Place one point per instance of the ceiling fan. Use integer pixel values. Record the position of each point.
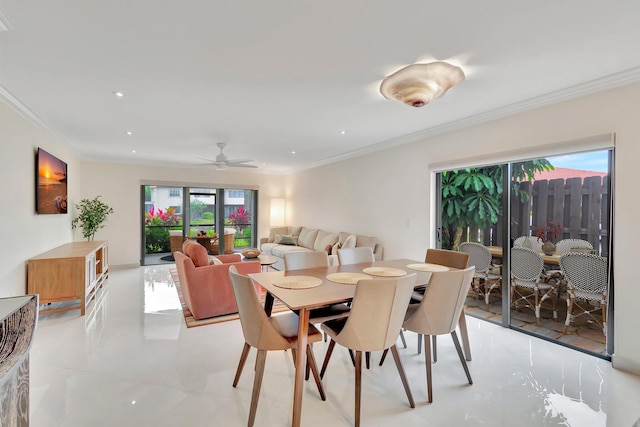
(222, 162)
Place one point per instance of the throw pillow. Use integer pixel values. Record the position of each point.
(287, 240)
(328, 249)
(214, 260)
(350, 242)
(334, 249)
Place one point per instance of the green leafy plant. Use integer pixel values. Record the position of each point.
(92, 217)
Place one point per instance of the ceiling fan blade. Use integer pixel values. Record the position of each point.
(240, 165)
(232, 162)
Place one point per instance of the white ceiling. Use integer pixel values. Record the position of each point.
(272, 77)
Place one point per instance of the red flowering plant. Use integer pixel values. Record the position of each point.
(156, 217)
(240, 219)
(548, 233)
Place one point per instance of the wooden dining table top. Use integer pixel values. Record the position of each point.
(328, 292)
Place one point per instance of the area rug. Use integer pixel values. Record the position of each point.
(192, 322)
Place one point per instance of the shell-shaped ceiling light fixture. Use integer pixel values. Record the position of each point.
(418, 84)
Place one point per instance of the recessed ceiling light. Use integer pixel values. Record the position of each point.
(293, 152)
(133, 151)
(129, 132)
(118, 93)
(343, 132)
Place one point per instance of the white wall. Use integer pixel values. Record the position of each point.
(119, 186)
(388, 194)
(26, 234)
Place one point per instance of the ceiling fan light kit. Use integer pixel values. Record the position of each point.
(418, 84)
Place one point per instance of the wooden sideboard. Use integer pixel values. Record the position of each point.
(71, 272)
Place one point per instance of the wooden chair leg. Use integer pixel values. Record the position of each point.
(243, 359)
(459, 350)
(403, 376)
(327, 356)
(434, 345)
(358, 362)
(311, 362)
(427, 361)
(384, 355)
(257, 384)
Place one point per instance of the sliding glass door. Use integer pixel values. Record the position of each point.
(516, 232)
(172, 214)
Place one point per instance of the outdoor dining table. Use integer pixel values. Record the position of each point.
(496, 252)
(328, 292)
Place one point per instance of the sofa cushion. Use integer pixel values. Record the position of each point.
(366, 241)
(280, 250)
(294, 231)
(213, 260)
(276, 230)
(196, 252)
(350, 242)
(267, 247)
(307, 237)
(286, 239)
(324, 239)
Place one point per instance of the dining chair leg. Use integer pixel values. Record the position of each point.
(257, 384)
(434, 349)
(404, 341)
(367, 357)
(243, 359)
(464, 335)
(311, 363)
(353, 359)
(384, 355)
(427, 361)
(358, 362)
(403, 376)
(419, 343)
(459, 350)
(327, 356)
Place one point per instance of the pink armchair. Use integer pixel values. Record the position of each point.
(206, 289)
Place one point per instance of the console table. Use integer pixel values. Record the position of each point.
(71, 272)
(18, 318)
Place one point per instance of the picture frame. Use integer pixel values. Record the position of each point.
(51, 184)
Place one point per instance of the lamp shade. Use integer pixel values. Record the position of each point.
(277, 212)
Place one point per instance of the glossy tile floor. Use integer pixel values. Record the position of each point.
(133, 362)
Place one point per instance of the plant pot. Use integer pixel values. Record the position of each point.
(548, 248)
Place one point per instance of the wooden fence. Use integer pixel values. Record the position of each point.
(581, 207)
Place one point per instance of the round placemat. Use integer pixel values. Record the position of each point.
(347, 278)
(428, 267)
(385, 271)
(297, 282)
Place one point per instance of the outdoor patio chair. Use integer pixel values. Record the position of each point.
(566, 245)
(480, 257)
(586, 276)
(521, 242)
(526, 282)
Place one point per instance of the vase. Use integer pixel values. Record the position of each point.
(548, 248)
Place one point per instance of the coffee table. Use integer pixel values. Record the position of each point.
(265, 261)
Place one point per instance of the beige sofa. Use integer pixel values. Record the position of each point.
(295, 239)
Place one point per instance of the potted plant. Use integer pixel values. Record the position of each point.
(546, 235)
(93, 214)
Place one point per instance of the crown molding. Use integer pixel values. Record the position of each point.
(594, 86)
(26, 113)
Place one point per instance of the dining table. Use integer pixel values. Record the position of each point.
(282, 285)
